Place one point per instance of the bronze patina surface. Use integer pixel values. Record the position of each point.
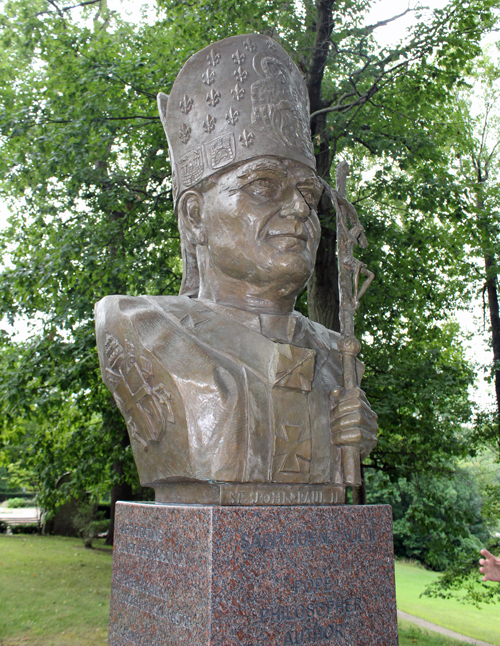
(230, 396)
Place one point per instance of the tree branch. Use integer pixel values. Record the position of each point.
(319, 54)
(345, 107)
(81, 4)
(382, 23)
(65, 9)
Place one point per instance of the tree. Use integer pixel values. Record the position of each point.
(476, 156)
(85, 168)
(93, 218)
(436, 520)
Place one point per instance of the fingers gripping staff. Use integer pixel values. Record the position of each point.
(354, 424)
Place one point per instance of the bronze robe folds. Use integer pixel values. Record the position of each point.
(216, 394)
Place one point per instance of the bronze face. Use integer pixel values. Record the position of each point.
(257, 233)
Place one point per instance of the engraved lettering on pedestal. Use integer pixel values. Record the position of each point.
(282, 494)
(267, 540)
(330, 611)
(314, 634)
(304, 539)
(156, 554)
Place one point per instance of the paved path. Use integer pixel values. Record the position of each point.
(439, 629)
(19, 516)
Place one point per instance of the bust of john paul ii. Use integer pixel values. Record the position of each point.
(226, 385)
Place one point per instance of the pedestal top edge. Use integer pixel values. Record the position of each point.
(227, 508)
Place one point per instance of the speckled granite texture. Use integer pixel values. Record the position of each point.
(253, 576)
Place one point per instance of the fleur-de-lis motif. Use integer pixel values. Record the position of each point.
(272, 45)
(185, 133)
(213, 58)
(238, 92)
(240, 74)
(246, 138)
(185, 104)
(208, 77)
(238, 57)
(232, 116)
(249, 46)
(209, 123)
(213, 98)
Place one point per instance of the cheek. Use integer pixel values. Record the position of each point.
(232, 222)
(315, 230)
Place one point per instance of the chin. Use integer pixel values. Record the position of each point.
(292, 271)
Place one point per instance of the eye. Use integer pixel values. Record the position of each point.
(263, 187)
(311, 196)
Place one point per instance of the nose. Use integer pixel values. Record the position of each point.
(294, 204)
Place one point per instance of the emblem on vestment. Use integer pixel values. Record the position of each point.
(147, 409)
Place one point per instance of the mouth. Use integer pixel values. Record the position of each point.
(287, 241)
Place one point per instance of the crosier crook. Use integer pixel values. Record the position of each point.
(350, 294)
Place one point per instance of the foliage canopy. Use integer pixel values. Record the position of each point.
(85, 169)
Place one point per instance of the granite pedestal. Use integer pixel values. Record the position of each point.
(252, 576)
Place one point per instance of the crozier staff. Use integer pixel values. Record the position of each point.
(347, 439)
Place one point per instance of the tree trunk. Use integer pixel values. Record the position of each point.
(359, 493)
(492, 288)
(323, 288)
(121, 490)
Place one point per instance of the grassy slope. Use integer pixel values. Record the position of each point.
(53, 591)
(411, 581)
(411, 635)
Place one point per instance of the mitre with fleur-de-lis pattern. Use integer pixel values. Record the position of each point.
(240, 98)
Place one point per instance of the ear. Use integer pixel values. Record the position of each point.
(162, 109)
(189, 212)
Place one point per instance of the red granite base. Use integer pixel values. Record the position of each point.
(252, 576)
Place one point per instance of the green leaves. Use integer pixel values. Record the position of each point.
(84, 166)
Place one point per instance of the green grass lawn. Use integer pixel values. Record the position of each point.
(53, 592)
(411, 635)
(411, 581)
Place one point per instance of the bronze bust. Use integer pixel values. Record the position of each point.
(230, 396)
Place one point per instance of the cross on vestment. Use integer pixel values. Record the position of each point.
(292, 447)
